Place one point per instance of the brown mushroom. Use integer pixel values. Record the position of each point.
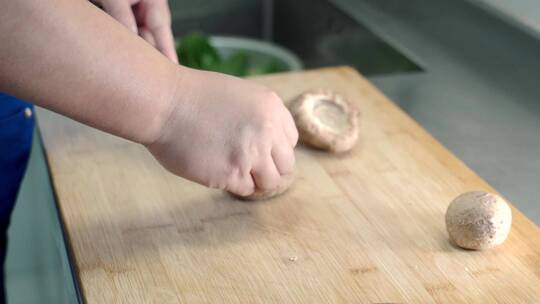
(284, 185)
(478, 220)
(325, 120)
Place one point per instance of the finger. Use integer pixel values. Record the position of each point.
(121, 11)
(241, 184)
(158, 22)
(283, 156)
(146, 35)
(289, 127)
(265, 174)
(165, 42)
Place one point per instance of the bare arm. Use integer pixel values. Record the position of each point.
(213, 129)
(70, 57)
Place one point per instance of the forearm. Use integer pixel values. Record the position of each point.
(69, 57)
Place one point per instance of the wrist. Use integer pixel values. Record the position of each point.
(176, 91)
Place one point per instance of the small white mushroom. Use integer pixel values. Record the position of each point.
(478, 220)
(284, 185)
(325, 120)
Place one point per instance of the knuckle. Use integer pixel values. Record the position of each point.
(264, 110)
(267, 128)
(240, 160)
(272, 96)
(264, 131)
(270, 99)
(232, 174)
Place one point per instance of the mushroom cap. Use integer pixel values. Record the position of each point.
(285, 183)
(325, 120)
(478, 220)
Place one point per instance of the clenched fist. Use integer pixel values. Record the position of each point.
(226, 133)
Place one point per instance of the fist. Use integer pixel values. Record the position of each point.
(227, 133)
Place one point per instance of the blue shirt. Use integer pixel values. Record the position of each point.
(16, 128)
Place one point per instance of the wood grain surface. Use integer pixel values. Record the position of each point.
(362, 227)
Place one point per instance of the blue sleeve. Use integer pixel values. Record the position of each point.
(16, 128)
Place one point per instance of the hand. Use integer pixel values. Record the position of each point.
(151, 19)
(227, 133)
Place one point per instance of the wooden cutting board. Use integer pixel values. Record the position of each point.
(363, 227)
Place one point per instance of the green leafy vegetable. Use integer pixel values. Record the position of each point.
(236, 64)
(195, 51)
